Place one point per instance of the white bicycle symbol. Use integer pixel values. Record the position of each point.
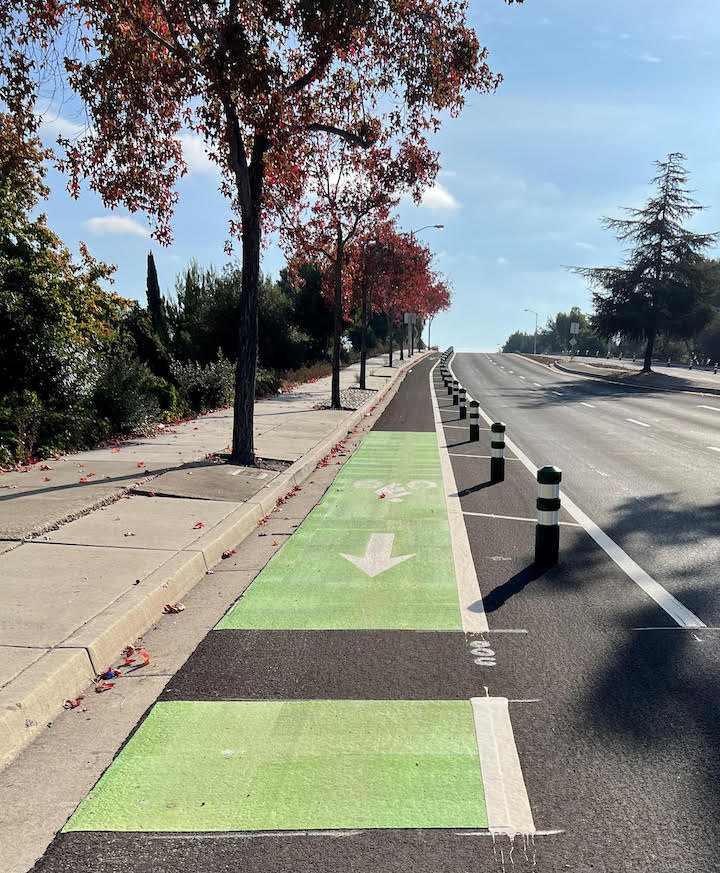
(395, 491)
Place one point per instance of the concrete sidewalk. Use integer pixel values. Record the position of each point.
(92, 548)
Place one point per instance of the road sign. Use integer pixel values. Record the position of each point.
(574, 327)
(573, 341)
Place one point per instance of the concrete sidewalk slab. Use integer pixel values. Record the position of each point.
(140, 522)
(212, 481)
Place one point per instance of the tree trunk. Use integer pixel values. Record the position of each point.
(389, 316)
(243, 451)
(249, 181)
(363, 333)
(647, 365)
(337, 337)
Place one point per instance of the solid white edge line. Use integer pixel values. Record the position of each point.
(664, 599)
(506, 800)
(587, 404)
(714, 408)
(472, 611)
(635, 421)
(714, 448)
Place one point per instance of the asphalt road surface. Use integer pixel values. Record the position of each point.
(644, 465)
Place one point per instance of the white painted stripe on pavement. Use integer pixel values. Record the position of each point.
(462, 455)
(714, 408)
(517, 518)
(587, 404)
(635, 421)
(664, 599)
(559, 393)
(506, 800)
(537, 384)
(472, 612)
(714, 448)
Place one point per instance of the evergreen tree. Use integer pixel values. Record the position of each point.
(155, 301)
(659, 291)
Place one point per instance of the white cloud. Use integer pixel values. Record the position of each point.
(119, 224)
(195, 155)
(502, 262)
(648, 58)
(438, 197)
(52, 126)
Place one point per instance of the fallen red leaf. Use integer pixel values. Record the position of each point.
(198, 525)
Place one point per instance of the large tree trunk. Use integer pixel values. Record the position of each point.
(647, 365)
(335, 391)
(249, 181)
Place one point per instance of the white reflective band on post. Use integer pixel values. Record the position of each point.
(549, 491)
(497, 453)
(545, 517)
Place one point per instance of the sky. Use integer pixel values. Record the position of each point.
(592, 95)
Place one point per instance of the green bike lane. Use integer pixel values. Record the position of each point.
(334, 717)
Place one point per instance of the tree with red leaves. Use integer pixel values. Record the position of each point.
(349, 192)
(256, 80)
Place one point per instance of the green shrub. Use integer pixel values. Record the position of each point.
(20, 415)
(126, 395)
(267, 382)
(205, 387)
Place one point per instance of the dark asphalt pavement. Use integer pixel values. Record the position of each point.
(617, 728)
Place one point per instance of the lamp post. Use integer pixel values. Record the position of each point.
(536, 318)
(412, 237)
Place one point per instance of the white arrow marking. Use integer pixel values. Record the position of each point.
(377, 555)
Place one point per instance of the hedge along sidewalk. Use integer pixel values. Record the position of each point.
(74, 598)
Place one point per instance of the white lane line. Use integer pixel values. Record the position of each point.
(714, 408)
(517, 517)
(664, 599)
(506, 800)
(587, 404)
(714, 448)
(522, 377)
(537, 384)
(461, 455)
(559, 393)
(635, 421)
(456, 426)
(472, 612)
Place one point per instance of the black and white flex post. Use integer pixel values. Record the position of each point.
(547, 530)
(463, 403)
(474, 421)
(455, 392)
(497, 452)
(449, 384)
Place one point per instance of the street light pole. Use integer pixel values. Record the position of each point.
(412, 237)
(536, 318)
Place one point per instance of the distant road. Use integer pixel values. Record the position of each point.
(643, 464)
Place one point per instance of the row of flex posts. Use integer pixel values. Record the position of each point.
(547, 529)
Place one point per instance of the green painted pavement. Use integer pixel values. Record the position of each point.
(309, 585)
(329, 764)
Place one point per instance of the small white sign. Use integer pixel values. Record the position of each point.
(574, 327)
(573, 341)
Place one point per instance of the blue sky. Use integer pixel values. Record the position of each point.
(592, 95)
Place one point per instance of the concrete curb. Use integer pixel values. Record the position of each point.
(29, 701)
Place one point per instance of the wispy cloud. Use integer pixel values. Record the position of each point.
(117, 224)
(502, 262)
(438, 197)
(52, 126)
(647, 58)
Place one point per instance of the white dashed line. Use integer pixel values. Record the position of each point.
(537, 384)
(590, 405)
(635, 421)
(714, 408)
(559, 393)
(714, 448)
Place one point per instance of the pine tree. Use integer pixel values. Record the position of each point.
(659, 290)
